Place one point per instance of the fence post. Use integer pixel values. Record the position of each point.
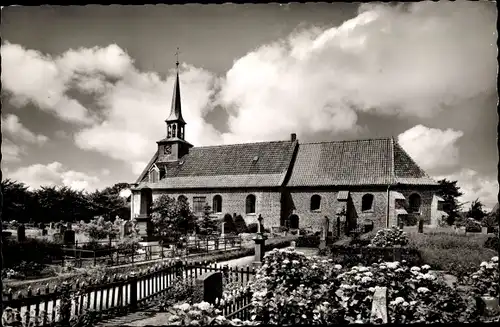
(133, 291)
(65, 303)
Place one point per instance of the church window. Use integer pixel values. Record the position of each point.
(169, 131)
(367, 202)
(315, 202)
(199, 203)
(440, 205)
(182, 132)
(414, 203)
(154, 175)
(174, 131)
(217, 204)
(250, 204)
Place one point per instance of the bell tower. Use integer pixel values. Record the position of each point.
(174, 146)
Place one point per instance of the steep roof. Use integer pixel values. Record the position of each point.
(359, 162)
(263, 164)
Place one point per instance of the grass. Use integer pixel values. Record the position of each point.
(442, 249)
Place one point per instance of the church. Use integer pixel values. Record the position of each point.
(289, 183)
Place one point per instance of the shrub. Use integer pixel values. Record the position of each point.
(390, 237)
(472, 226)
(240, 224)
(348, 255)
(492, 243)
(309, 241)
(32, 250)
(485, 281)
(181, 290)
(252, 228)
(203, 314)
(230, 226)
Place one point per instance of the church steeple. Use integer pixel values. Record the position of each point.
(176, 109)
(173, 147)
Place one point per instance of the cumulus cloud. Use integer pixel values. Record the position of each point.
(54, 174)
(410, 60)
(435, 150)
(11, 152)
(475, 186)
(13, 127)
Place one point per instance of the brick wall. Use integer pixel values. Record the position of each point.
(233, 201)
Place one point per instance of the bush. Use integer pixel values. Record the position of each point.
(472, 226)
(485, 281)
(492, 243)
(181, 290)
(240, 224)
(389, 237)
(309, 241)
(348, 255)
(230, 226)
(32, 250)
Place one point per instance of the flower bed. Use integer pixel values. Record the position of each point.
(348, 255)
(389, 237)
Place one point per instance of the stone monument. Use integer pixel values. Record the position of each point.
(260, 241)
(324, 234)
(21, 233)
(208, 287)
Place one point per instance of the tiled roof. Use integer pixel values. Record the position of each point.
(263, 164)
(360, 162)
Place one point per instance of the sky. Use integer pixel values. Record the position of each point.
(86, 89)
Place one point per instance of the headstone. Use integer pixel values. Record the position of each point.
(260, 241)
(208, 287)
(292, 244)
(324, 234)
(44, 232)
(484, 230)
(69, 226)
(62, 229)
(51, 225)
(379, 306)
(21, 233)
(420, 225)
(42, 226)
(222, 234)
(69, 237)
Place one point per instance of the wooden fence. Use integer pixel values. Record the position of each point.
(116, 295)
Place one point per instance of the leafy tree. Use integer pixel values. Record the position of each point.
(99, 229)
(108, 202)
(18, 201)
(207, 225)
(476, 210)
(172, 217)
(62, 203)
(449, 191)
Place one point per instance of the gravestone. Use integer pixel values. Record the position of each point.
(484, 230)
(21, 233)
(324, 234)
(44, 232)
(69, 226)
(125, 229)
(260, 241)
(42, 226)
(420, 225)
(379, 306)
(51, 225)
(222, 234)
(69, 237)
(208, 287)
(62, 229)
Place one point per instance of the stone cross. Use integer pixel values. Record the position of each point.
(326, 227)
(259, 224)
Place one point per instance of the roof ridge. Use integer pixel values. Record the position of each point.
(223, 145)
(347, 141)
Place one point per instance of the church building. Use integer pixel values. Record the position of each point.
(288, 182)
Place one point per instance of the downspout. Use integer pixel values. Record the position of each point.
(388, 207)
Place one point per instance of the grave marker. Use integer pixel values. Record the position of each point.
(69, 237)
(21, 233)
(44, 232)
(379, 306)
(324, 234)
(208, 287)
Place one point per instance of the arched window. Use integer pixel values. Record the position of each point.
(217, 204)
(174, 130)
(250, 204)
(367, 202)
(146, 201)
(414, 202)
(169, 131)
(154, 175)
(315, 202)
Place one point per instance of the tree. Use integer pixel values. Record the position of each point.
(207, 225)
(99, 229)
(108, 202)
(476, 210)
(18, 201)
(449, 191)
(172, 217)
(61, 203)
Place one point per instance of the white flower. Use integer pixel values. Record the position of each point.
(295, 262)
(357, 277)
(392, 265)
(429, 276)
(362, 269)
(494, 259)
(203, 305)
(415, 269)
(483, 264)
(413, 302)
(426, 267)
(183, 307)
(368, 273)
(405, 304)
(337, 267)
(399, 270)
(423, 290)
(372, 289)
(304, 316)
(366, 279)
(286, 261)
(397, 301)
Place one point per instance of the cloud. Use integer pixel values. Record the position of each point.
(409, 60)
(475, 186)
(435, 150)
(54, 174)
(136, 107)
(11, 152)
(13, 127)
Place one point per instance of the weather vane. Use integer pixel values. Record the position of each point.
(177, 57)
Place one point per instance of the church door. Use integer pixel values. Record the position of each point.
(294, 221)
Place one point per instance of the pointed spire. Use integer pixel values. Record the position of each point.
(176, 112)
